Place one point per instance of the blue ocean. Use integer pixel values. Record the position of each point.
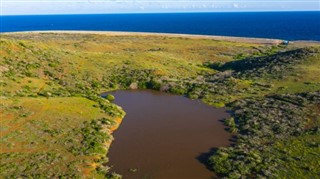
(280, 25)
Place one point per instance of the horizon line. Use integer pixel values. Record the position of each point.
(170, 12)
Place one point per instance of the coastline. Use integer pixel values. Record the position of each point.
(192, 36)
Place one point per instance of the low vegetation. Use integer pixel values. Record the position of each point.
(55, 124)
(263, 127)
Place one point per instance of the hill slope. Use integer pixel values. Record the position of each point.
(55, 124)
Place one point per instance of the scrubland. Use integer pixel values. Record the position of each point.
(55, 124)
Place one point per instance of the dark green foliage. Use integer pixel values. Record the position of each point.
(262, 122)
(32, 168)
(275, 65)
(177, 90)
(94, 138)
(154, 84)
(230, 122)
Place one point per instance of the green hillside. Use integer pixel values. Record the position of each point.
(55, 124)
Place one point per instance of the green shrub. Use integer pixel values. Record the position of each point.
(177, 90)
(110, 97)
(154, 84)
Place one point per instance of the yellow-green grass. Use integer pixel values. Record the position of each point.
(87, 52)
(302, 155)
(35, 130)
(93, 56)
(304, 77)
(41, 123)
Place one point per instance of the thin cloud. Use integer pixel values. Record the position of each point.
(13, 7)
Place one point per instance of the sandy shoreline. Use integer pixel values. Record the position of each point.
(116, 33)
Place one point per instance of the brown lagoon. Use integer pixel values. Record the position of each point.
(165, 136)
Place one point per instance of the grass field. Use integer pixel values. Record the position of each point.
(37, 133)
(55, 124)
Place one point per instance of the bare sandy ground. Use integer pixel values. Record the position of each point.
(113, 33)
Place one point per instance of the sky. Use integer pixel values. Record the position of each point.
(31, 7)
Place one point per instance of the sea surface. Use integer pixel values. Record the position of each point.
(279, 25)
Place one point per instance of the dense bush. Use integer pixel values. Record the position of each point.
(271, 65)
(261, 123)
(110, 97)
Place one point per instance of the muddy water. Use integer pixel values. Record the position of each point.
(165, 136)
